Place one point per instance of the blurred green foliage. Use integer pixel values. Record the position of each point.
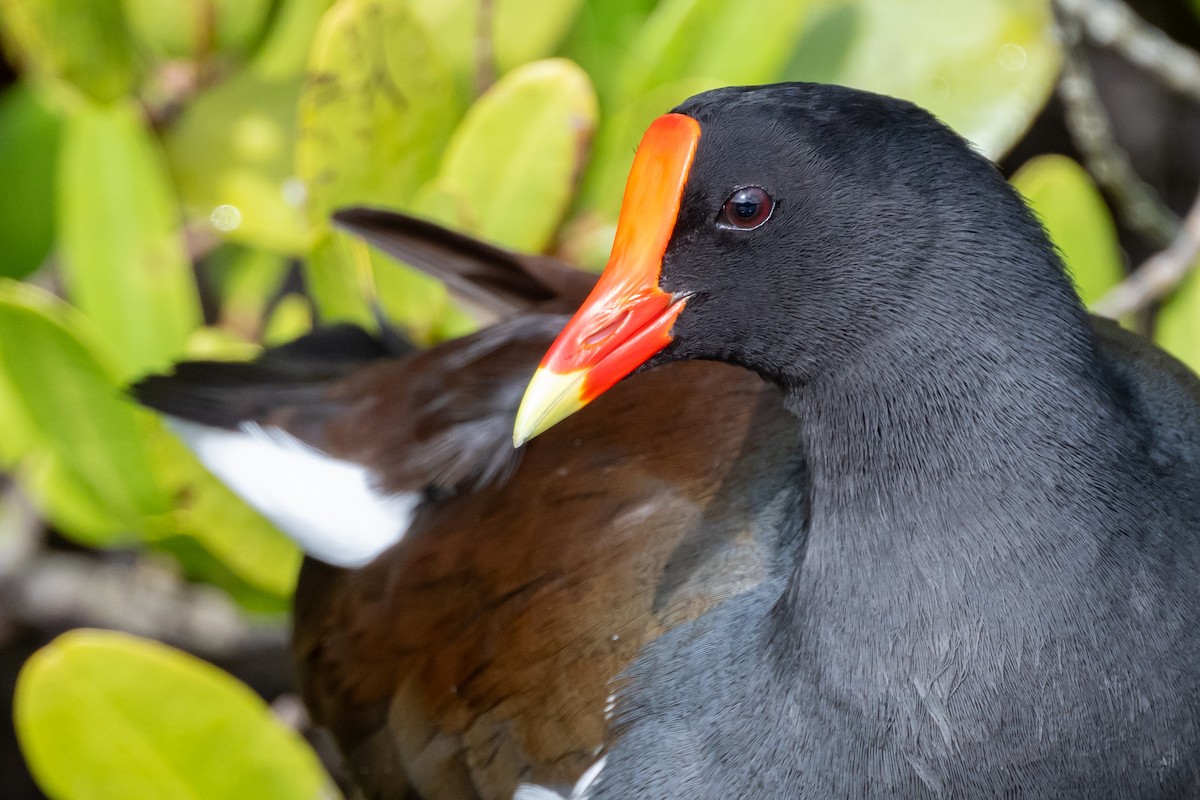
(172, 726)
(1071, 208)
(157, 153)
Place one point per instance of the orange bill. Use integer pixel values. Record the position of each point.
(627, 318)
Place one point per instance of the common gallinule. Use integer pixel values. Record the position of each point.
(992, 565)
(466, 608)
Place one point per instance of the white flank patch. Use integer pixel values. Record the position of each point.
(581, 791)
(326, 505)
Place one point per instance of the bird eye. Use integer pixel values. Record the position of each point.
(746, 209)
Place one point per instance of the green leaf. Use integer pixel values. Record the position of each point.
(333, 281)
(820, 56)
(1075, 215)
(58, 40)
(616, 141)
(122, 250)
(984, 67)
(284, 52)
(377, 110)
(601, 36)
(101, 714)
(1177, 329)
(108, 469)
(212, 343)
(232, 149)
(443, 201)
(20, 435)
(29, 138)
(70, 504)
(59, 493)
(244, 281)
(517, 152)
(67, 384)
(379, 106)
(199, 28)
(408, 296)
(198, 565)
(685, 47)
(524, 30)
(453, 28)
(206, 510)
(707, 39)
(291, 318)
(521, 31)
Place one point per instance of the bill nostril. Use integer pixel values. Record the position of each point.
(605, 332)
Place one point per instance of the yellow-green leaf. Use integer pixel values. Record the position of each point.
(334, 282)
(60, 494)
(616, 141)
(519, 149)
(378, 107)
(212, 343)
(231, 154)
(443, 201)
(113, 470)
(69, 503)
(196, 28)
(244, 280)
(684, 47)
(67, 384)
(727, 43)
(206, 510)
(985, 67)
(291, 318)
(88, 47)
(524, 30)
(521, 31)
(1070, 206)
(1178, 326)
(601, 36)
(284, 52)
(19, 432)
(453, 28)
(122, 250)
(101, 714)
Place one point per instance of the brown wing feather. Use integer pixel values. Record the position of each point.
(495, 279)
(480, 651)
(484, 645)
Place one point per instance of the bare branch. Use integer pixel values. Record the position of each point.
(485, 51)
(1160, 273)
(1113, 24)
(65, 590)
(21, 528)
(1135, 201)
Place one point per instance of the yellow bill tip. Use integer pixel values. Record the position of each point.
(550, 398)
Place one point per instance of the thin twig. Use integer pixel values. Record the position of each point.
(21, 534)
(56, 591)
(1113, 24)
(21, 528)
(1159, 274)
(1135, 201)
(485, 51)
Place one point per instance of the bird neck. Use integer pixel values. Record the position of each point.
(958, 463)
